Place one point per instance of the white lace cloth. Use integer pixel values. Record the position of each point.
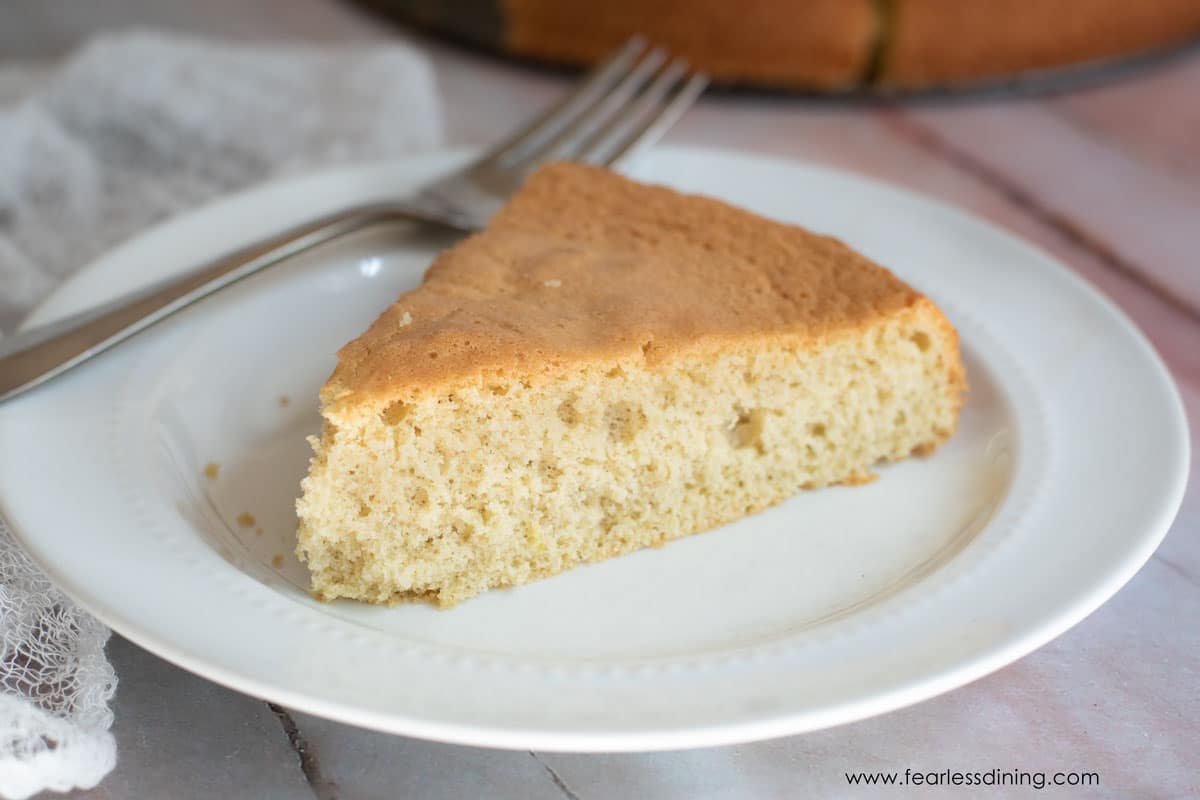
(131, 129)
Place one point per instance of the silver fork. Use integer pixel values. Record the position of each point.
(621, 107)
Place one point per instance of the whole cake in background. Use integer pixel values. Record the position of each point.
(822, 44)
(610, 366)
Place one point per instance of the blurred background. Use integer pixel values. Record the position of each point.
(820, 46)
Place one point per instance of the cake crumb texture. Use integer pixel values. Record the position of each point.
(694, 364)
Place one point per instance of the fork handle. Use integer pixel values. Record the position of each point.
(32, 357)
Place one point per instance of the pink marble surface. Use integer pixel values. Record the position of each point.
(1107, 180)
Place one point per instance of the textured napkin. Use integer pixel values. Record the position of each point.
(132, 129)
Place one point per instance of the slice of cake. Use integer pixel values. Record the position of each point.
(610, 366)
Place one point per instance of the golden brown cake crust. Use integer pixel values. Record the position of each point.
(933, 41)
(825, 43)
(584, 265)
(835, 44)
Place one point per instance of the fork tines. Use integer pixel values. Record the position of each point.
(623, 105)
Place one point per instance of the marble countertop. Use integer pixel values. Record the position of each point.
(1106, 179)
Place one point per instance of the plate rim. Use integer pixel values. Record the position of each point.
(964, 671)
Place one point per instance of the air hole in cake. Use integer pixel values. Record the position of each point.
(817, 429)
(921, 340)
(568, 413)
(747, 430)
(616, 372)
(364, 510)
(463, 530)
(395, 412)
(625, 421)
(498, 389)
(646, 348)
(901, 418)
(885, 395)
(432, 354)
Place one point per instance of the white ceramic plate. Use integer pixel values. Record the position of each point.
(1068, 468)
